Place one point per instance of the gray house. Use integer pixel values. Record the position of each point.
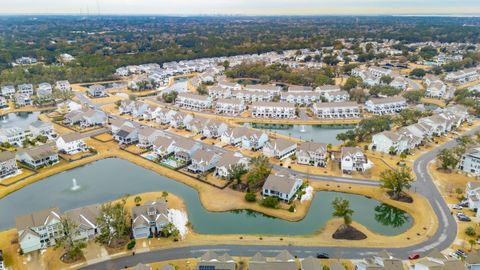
(149, 219)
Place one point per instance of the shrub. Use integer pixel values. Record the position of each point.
(250, 197)
(131, 244)
(291, 208)
(470, 231)
(270, 202)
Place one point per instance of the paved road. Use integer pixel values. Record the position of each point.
(424, 185)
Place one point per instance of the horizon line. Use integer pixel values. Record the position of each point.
(93, 14)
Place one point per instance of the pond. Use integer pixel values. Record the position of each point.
(20, 119)
(317, 133)
(109, 179)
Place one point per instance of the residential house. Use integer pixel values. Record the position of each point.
(151, 113)
(25, 89)
(38, 230)
(472, 194)
(3, 103)
(85, 219)
(253, 96)
(472, 261)
(299, 88)
(223, 83)
(63, 86)
(262, 88)
(436, 89)
(284, 261)
(227, 162)
(279, 148)
(22, 100)
(141, 266)
(134, 108)
(211, 260)
(282, 186)
(323, 90)
(71, 143)
(300, 98)
(196, 125)
(420, 130)
(97, 91)
(353, 159)
(399, 82)
(214, 129)
(311, 263)
(44, 90)
(436, 260)
(193, 101)
(13, 135)
(229, 106)
(38, 157)
(8, 164)
(148, 135)
(185, 148)
(180, 120)
(337, 96)
(470, 161)
(203, 161)
(68, 106)
(389, 142)
(336, 110)
(217, 92)
(126, 135)
(273, 110)
(311, 153)
(8, 91)
(246, 138)
(386, 105)
(463, 76)
(85, 117)
(382, 261)
(379, 71)
(117, 123)
(41, 128)
(164, 116)
(163, 146)
(149, 219)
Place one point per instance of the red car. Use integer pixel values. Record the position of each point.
(414, 256)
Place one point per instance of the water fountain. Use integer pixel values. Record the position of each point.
(302, 128)
(75, 186)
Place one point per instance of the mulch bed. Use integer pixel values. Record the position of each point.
(348, 233)
(66, 259)
(403, 197)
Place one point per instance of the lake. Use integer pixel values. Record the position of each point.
(109, 179)
(20, 119)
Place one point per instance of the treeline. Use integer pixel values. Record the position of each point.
(282, 73)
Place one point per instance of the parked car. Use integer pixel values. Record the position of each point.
(414, 256)
(323, 255)
(463, 217)
(457, 207)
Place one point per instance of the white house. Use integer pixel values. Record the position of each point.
(8, 91)
(300, 98)
(279, 148)
(311, 153)
(472, 194)
(463, 76)
(38, 230)
(383, 260)
(8, 164)
(353, 159)
(389, 142)
(71, 143)
(281, 186)
(13, 135)
(273, 110)
(336, 110)
(163, 146)
(386, 105)
(44, 90)
(436, 89)
(203, 161)
(149, 219)
(193, 101)
(38, 157)
(246, 138)
(226, 163)
(262, 88)
(148, 135)
(26, 89)
(214, 129)
(184, 148)
(63, 86)
(470, 161)
(337, 96)
(436, 260)
(22, 100)
(38, 128)
(97, 91)
(85, 218)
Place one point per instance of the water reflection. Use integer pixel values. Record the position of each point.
(390, 216)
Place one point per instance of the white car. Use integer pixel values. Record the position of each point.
(457, 207)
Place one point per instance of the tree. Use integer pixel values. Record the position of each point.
(170, 97)
(390, 216)
(413, 96)
(472, 243)
(470, 231)
(236, 172)
(341, 209)
(73, 248)
(350, 84)
(385, 79)
(112, 221)
(396, 180)
(250, 197)
(270, 202)
(418, 72)
(448, 160)
(170, 230)
(202, 89)
(164, 194)
(260, 168)
(137, 200)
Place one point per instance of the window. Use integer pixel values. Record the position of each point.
(206, 267)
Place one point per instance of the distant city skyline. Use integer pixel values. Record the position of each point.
(243, 7)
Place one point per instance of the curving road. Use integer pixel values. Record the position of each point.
(424, 185)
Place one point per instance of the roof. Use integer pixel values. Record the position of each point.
(281, 144)
(85, 217)
(203, 156)
(168, 267)
(149, 211)
(37, 219)
(311, 263)
(40, 152)
(229, 101)
(279, 183)
(193, 96)
(351, 151)
(393, 99)
(229, 159)
(337, 104)
(39, 124)
(75, 136)
(142, 266)
(6, 155)
(336, 266)
(273, 104)
(312, 147)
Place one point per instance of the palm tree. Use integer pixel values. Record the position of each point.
(472, 243)
(341, 209)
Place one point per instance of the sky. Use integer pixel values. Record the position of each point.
(241, 7)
